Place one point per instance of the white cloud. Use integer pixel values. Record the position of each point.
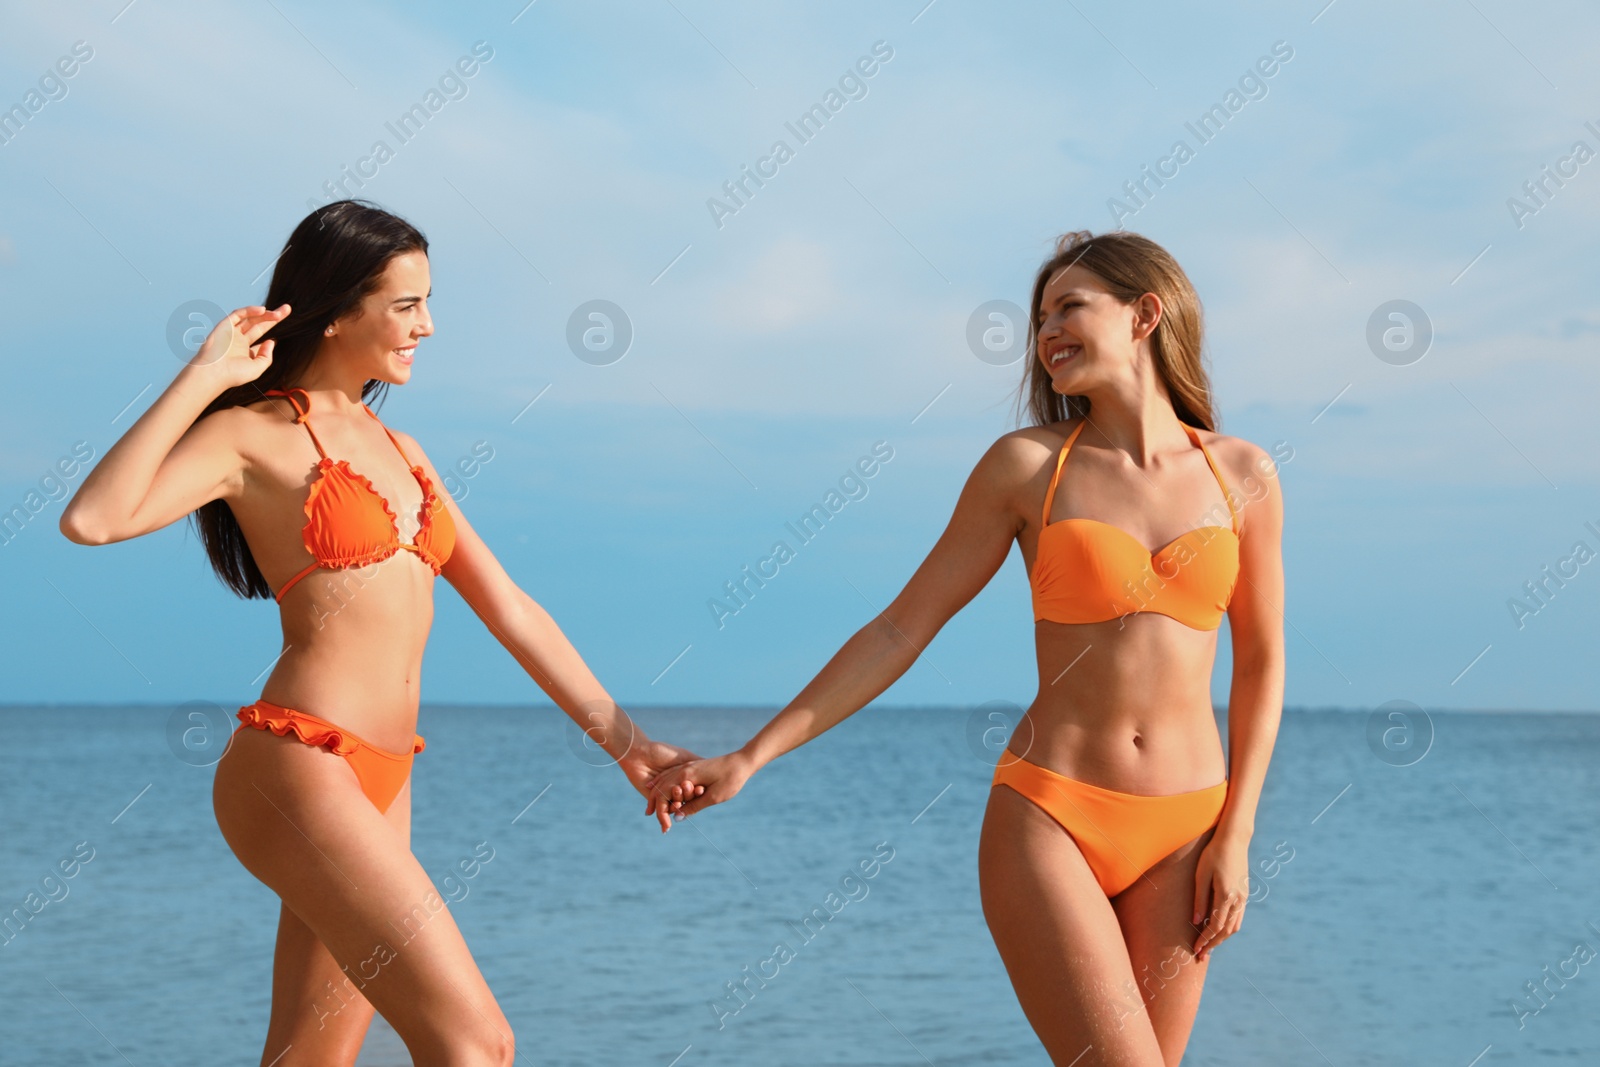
(788, 282)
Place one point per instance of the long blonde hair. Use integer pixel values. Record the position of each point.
(1130, 265)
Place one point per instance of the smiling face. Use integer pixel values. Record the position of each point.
(380, 336)
(1087, 336)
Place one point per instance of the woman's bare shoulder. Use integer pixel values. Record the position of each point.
(1014, 467)
(1031, 445)
(1240, 458)
(259, 431)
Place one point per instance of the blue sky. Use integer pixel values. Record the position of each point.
(828, 313)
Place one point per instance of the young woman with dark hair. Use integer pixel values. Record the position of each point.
(1115, 859)
(301, 493)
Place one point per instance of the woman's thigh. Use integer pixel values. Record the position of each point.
(295, 816)
(1059, 939)
(1156, 913)
(318, 1014)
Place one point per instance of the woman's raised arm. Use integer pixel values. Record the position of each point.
(166, 465)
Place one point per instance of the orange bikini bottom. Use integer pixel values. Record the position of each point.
(381, 773)
(1122, 835)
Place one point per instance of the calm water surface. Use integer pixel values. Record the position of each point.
(1418, 902)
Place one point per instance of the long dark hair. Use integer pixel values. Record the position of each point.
(331, 261)
(1130, 265)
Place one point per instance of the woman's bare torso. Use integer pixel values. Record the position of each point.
(1123, 704)
(353, 639)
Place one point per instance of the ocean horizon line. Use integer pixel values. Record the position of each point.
(1299, 709)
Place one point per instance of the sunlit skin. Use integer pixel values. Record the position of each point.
(352, 652)
(1123, 704)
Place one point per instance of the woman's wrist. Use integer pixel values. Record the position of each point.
(632, 738)
(751, 755)
(638, 742)
(194, 392)
(606, 726)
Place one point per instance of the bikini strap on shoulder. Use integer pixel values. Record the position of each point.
(392, 439)
(1061, 459)
(1227, 494)
(301, 414)
(288, 394)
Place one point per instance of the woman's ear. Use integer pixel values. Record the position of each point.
(1149, 313)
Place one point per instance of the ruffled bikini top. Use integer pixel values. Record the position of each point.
(348, 524)
(1090, 571)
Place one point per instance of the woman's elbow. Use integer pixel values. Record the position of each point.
(902, 631)
(1259, 658)
(80, 529)
(504, 608)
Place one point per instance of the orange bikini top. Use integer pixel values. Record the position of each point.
(1090, 571)
(349, 525)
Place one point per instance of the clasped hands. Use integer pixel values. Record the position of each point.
(676, 783)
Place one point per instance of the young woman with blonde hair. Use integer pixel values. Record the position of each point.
(1114, 852)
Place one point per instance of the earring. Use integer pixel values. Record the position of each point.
(328, 332)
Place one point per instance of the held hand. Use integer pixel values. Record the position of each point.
(1221, 890)
(689, 787)
(230, 356)
(648, 760)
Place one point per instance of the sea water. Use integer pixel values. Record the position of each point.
(1435, 902)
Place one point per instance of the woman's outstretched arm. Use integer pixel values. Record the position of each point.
(539, 646)
(987, 518)
(166, 465)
